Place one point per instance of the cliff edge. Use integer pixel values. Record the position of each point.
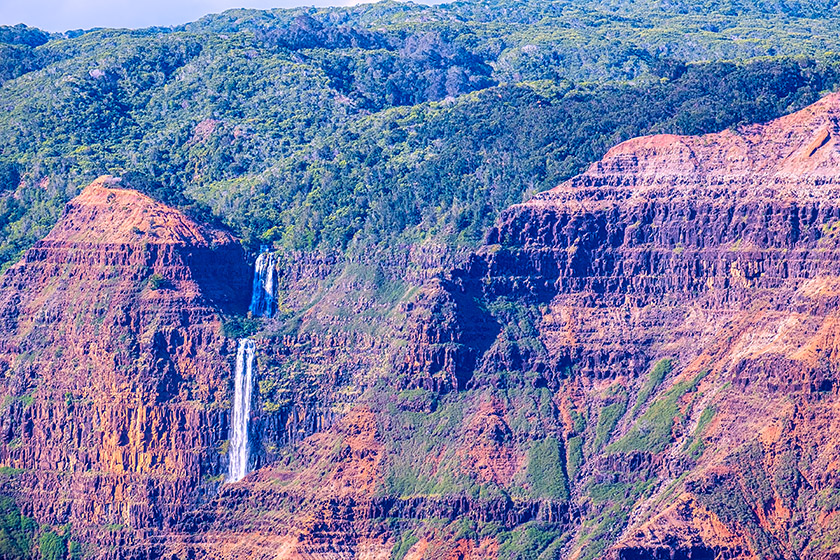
(114, 370)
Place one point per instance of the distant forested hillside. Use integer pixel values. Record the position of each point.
(346, 129)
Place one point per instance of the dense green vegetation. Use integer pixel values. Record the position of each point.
(365, 130)
(52, 546)
(653, 430)
(344, 129)
(19, 533)
(610, 415)
(574, 456)
(662, 368)
(402, 546)
(531, 542)
(16, 531)
(545, 469)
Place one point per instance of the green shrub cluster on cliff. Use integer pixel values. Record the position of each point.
(16, 531)
(18, 534)
(346, 128)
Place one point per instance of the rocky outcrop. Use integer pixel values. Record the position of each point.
(447, 333)
(721, 252)
(328, 502)
(529, 396)
(666, 237)
(116, 372)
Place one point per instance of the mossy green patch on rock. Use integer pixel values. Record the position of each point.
(546, 469)
(662, 368)
(17, 531)
(653, 430)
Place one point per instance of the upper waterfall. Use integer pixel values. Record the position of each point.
(264, 292)
(239, 450)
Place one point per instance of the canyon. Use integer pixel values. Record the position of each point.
(638, 363)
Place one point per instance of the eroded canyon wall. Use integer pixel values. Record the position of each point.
(115, 369)
(639, 363)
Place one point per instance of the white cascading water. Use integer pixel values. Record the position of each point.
(239, 449)
(264, 292)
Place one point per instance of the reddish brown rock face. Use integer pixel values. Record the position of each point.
(641, 363)
(720, 252)
(659, 247)
(115, 371)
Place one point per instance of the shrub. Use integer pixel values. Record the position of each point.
(608, 419)
(53, 546)
(574, 456)
(653, 431)
(662, 368)
(158, 282)
(402, 546)
(16, 531)
(9, 176)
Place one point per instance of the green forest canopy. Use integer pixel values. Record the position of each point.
(384, 124)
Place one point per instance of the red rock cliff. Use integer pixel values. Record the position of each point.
(114, 371)
(668, 319)
(640, 363)
(721, 252)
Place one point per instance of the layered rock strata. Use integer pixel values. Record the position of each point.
(716, 255)
(639, 363)
(722, 253)
(115, 370)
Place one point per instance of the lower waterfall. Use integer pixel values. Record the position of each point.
(264, 291)
(239, 449)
